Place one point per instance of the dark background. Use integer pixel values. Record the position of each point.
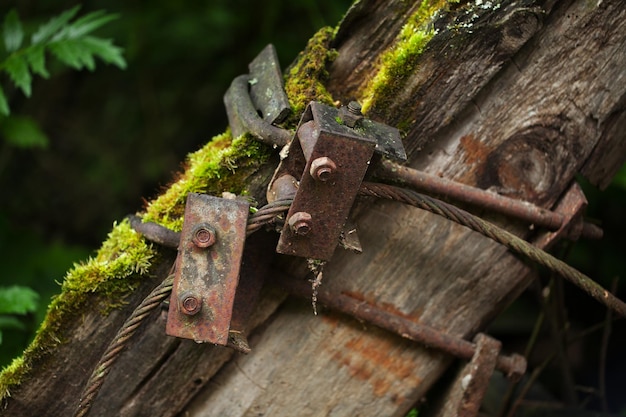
(117, 137)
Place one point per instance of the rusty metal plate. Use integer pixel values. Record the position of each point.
(207, 268)
(330, 159)
(266, 86)
(571, 206)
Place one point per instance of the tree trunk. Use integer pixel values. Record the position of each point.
(515, 97)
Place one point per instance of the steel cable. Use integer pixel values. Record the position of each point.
(499, 235)
(116, 346)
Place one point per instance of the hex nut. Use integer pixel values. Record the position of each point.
(203, 236)
(300, 223)
(323, 169)
(190, 304)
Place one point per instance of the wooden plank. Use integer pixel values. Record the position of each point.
(522, 130)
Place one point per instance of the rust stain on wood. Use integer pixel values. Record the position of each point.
(475, 154)
(377, 361)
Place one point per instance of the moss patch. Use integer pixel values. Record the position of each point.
(400, 60)
(306, 77)
(221, 165)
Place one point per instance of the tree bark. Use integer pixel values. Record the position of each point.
(517, 99)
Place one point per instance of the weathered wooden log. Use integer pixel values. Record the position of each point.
(513, 97)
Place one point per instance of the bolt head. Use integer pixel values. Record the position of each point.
(323, 169)
(203, 236)
(190, 304)
(300, 223)
(354, 107)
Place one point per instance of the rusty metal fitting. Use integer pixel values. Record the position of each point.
(354, 107)
(323, 169)
(203, 236)
(351, 114)
(300, 223)
(190, 304)
(282, 188)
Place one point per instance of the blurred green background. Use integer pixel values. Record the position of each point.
(116, 137)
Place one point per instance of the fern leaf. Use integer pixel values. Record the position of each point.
(47, 30)
(79, 53)
(36, 57)
(17, 68)
(17, 300)
(106, 51)
(89, 23)
(12, 32)
(4, 104)
(66, 52)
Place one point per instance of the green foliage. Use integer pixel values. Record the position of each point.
(620, 178)
(16, 300)
(69, 41)
(413, 413)
(23, 132)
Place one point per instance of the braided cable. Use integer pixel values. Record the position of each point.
(499, 235)
(267, 215)
(116, 346)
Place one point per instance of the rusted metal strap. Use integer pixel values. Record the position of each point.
(475, 376)
(207, 268)
(330, 159)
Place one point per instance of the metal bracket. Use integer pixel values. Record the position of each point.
(326, 163)
(571, 208)
(255, 102)
(465, 396)
(207, 268)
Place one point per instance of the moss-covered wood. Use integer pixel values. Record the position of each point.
(490, 96)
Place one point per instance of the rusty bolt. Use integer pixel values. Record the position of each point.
(190, 304)
(300, 223)
(203, 236)
(322, 169)
(355, 108)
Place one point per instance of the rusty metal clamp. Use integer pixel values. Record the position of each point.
(323, 170)
(256, 102)
(207, 269)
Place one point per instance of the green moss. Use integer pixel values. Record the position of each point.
(306, 77)
(12, 374)
(400, 60)
(221, 165)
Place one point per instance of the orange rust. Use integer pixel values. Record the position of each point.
(475, 156)
(475, 151)
(372, 358)
(331, 319)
